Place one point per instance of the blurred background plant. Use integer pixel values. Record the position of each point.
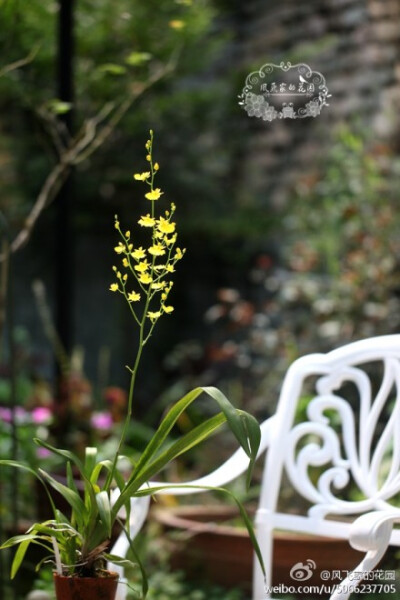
(335, 279)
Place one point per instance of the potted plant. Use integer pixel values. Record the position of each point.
(77, 542)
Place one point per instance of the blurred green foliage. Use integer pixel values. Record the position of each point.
(119, 47)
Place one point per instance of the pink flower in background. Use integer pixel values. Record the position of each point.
(101, 420)
(43, 453)
(5, 414)
(41, 415)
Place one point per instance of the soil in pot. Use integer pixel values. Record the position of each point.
(86, 588)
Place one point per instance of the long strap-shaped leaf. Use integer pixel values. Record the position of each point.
(70, 456)
(71, 496)
(185, 443)
(244, 427)
(104, 506)
(165, 427)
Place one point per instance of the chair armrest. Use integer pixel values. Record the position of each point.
(369, 533)
(232, 468)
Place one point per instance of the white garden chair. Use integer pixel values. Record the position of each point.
(359, 386)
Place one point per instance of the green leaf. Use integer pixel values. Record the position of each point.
(135, 59)
(59, 107)
(19, 557)
(15, 464)
(254, 437)
(17, 539)
(24, 541)
(89, 492)
(112, 69)
(109, 466)
(70, 479)
(64, 453)
(145, 583)
(244, 427)
(104, 506)
(90, 461)
(185, 443)
(117, 560)
(57, 531)
(165, 427)
(72, 497)
(232, 416)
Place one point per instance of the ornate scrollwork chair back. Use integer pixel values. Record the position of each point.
(344, 457)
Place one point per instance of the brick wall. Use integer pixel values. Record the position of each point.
(355, 44)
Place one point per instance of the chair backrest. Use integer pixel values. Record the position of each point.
(341, 453)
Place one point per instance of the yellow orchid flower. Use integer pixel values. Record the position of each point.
(154, 194)
(133, 297)
(139, 253)
(147, 221)
(142, 176)
(165, 226)
(145, 278)
(156, 250)
(142, 266)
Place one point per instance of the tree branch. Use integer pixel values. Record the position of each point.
(19, 63)
(83, 145)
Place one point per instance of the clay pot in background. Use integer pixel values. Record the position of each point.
(206, 548)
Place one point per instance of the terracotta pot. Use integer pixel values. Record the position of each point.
(206, 548)
(86, 588)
